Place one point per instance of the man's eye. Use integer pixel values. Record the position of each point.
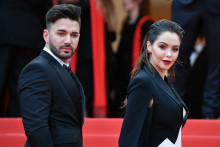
(75, 35)
(60, 34)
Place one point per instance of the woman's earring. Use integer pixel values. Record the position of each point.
(149, 52)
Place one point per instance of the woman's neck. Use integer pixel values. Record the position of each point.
(133, 16)
(162, 73)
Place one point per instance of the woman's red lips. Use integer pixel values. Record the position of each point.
(166, 62)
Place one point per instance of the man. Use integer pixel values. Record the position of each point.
(21, 25)
(52, 98)
(199, 17)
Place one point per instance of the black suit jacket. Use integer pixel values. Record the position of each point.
(199, 17)
(22, 22)
(52, 103)
(211, 5)
(149, 126)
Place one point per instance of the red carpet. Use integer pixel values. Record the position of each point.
(104, 132)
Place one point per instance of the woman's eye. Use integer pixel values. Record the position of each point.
(162, 46)
(175, 49)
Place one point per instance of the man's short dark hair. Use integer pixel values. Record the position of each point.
(69, 11)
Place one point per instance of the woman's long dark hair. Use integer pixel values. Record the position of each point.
(155, 30)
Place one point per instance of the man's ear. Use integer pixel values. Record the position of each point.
(46, 35)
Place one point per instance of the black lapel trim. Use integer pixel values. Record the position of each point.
(168, 88)
(162, 84)
(67, 81)
(186, 108)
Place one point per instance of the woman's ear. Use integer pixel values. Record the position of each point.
(149, 47)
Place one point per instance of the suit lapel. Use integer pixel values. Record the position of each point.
(168, 88)
(81, 93)
(162, 84)
(186, 108)
(68, 82)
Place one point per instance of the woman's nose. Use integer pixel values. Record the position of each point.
(168, 54)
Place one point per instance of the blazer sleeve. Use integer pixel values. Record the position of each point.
(35, 98)
(139, 95)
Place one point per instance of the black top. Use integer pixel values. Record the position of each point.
(150, 126)
(22, 22)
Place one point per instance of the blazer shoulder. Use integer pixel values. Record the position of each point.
(39, 65)
(141, 81)
(143, 77)
(39, 62)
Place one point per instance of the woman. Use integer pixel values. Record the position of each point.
(155, 113)
(134, 29)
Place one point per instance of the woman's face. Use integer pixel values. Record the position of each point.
(165, 51)
(129, 5)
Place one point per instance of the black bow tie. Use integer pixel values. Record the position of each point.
(68, 68)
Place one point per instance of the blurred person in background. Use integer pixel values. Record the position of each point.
(22, 23)
(196, 17)
(197, 77)
(133, 31)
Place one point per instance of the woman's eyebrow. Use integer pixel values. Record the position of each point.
(167, 44)
(162, 42)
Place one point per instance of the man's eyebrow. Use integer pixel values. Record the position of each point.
(75, 32)
(61, 30)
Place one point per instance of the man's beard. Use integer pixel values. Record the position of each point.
(56, 52)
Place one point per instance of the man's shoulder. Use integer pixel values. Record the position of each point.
(37, 63)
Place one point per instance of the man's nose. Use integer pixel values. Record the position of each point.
(67, 39)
